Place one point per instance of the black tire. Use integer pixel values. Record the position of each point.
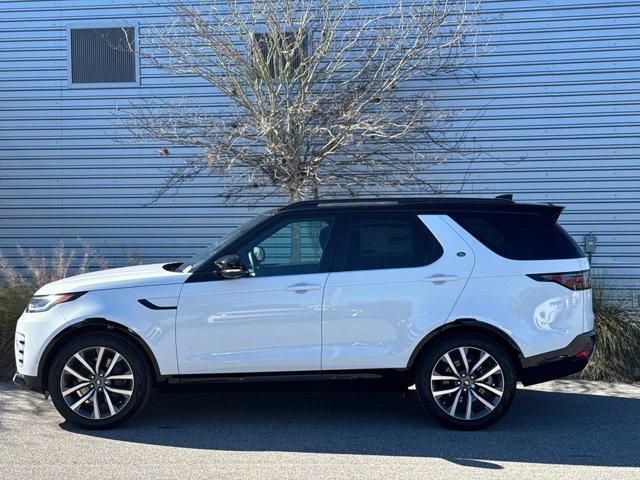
(504, 381)
(140, 385)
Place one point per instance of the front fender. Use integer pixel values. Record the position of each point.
(154, 327)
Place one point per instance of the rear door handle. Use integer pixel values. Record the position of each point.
(302, 287)
(439, 279)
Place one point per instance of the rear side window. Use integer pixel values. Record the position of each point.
(519, 236)
(390, 241)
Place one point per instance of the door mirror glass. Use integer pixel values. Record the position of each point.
(230, 266)
(258, 253)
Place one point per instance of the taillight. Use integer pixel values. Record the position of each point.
(582, 354)
(572, 280)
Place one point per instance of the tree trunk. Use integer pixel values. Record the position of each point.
(294, 195)
(296, 243)
(296, 237)
(315, 190)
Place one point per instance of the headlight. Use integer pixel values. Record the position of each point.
(42, 303)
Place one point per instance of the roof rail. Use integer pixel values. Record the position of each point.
(391, 201)
(351, 204)
(345, 202)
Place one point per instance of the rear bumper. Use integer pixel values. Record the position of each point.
(28, 382)
(559, 363)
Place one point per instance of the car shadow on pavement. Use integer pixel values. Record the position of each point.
(541, 427)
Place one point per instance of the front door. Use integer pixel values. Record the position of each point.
(269, 321)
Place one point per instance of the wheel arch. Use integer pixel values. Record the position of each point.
(468, 325)
(95, 325)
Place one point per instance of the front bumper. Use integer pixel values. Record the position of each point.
(27, 382)
(559, 363)
(34, 332)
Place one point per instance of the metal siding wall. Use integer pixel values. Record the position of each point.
(558, 90)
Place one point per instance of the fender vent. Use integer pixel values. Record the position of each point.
(20, 341)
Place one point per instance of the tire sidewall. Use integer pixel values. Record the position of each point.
(141, 378)
(428, 361)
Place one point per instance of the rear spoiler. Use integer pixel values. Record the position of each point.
(551, 213)
(548, 211)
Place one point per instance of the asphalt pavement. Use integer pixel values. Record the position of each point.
(561, 430)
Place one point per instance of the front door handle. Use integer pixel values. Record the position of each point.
(302, 287)
(439, 279)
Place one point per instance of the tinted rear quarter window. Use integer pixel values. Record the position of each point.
(520, 236)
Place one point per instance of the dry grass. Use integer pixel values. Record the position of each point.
(18, 285)
(617, 356)
(13, 300)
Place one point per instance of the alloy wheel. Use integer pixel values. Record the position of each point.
(467, 383)
(97, 382)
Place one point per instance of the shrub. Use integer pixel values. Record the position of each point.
(13, 300)
(16, 288)
(617, 356)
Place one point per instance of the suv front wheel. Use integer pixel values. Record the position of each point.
(98, 381)
(466, 381)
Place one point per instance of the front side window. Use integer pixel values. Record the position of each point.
(390, 241)
(293, 246)
(213, 250)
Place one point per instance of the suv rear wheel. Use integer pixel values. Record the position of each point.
(466, 381)
(98, 381)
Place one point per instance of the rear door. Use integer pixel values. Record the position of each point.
(398, 278)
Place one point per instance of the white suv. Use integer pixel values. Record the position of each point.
(460, 297)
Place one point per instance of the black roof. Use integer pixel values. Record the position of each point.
(503, 203)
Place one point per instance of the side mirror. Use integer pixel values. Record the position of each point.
(258, 253)
(230, 266)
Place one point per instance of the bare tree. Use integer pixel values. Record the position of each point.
(323, 97)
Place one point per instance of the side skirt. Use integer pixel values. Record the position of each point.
(339, 380)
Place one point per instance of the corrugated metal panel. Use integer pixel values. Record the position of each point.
(558, 96)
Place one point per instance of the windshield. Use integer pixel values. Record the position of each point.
(212, 250)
